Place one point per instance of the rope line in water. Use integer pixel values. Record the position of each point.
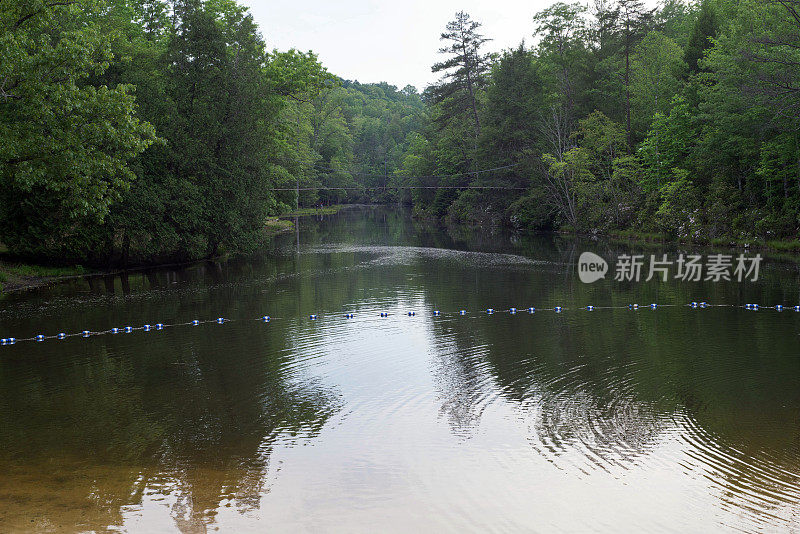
(411, 313)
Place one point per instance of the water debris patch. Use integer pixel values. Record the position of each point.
(402, 255)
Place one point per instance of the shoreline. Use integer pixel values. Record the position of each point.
(325, 210)
(783, 247)
(16, 276)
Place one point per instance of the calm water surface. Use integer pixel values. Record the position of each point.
(674, 420)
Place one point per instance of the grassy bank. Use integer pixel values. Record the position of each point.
(16, 275)
(325, 210)
(275, 226)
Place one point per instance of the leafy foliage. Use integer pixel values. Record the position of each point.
(679, 120)
(65, 143)
(145, 130)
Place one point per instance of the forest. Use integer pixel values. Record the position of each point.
(136, 132)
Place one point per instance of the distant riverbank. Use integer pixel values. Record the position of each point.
(785, 246)
(16, 275)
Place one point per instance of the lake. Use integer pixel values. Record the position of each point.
(674, 419)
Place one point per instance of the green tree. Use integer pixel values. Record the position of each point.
(604, 142)
(295, 79)
(657, 68)
(65, 143)
(668, 145)
(509, 138)
(465, 71)
(704, 30)
(629, 21)
(562, 37)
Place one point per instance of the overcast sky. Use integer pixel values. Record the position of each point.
(385, 40)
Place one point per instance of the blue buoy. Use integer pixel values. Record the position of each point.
(40, 337)
(86, 333)
(384, 314)
(797, 308)
(436, 313)
(220, 320)
(704, 304)
(590, 308)
(265, 318)
(12, 340)
(490, 311)
(755, 306)
(779, 307)
(195, 322)
(128, 329)
(412, 314)
(693, 304)
(654, 306)
(512, 311)
(462, 312)
(146, 328)
(3, 341)
(558, 309)
(115, 330)
(62, 335)
(348, 315)
(531, 310)
(312, 317)
(159, 326)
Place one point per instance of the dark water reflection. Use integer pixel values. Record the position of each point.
(674, 420)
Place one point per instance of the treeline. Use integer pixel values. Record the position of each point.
(355, 139)
(140, 131)
(680, 120)
(136, 131)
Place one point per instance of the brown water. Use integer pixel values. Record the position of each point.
(675, 419)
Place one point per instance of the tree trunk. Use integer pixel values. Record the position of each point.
(628, 85)
(470, 88)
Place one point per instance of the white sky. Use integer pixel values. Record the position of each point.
(392, 41)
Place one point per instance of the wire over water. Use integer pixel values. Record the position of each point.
(399, 187)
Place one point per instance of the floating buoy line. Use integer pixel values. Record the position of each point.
(383, 314)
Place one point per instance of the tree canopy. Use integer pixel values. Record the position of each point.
(139, 131)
